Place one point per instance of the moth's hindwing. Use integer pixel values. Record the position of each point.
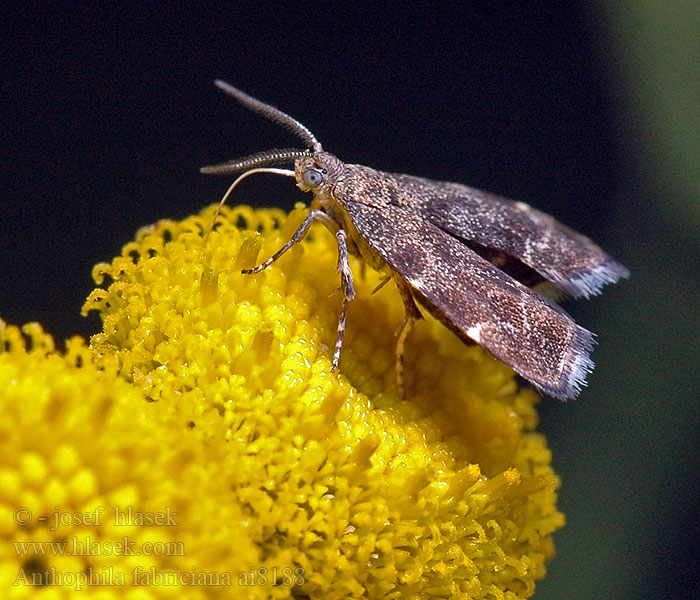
(470, 295)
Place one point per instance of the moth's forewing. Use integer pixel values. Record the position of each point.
(568, 259)
(468, 293)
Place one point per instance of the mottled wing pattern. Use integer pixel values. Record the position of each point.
(568, 259)
(474, 298)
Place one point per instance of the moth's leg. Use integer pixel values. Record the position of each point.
(314, 215)
(381, 284)
(347, 288)
(412, 315)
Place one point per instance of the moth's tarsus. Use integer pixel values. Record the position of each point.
(469, 257)
(314, 215)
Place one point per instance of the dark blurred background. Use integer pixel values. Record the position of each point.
(590, 111)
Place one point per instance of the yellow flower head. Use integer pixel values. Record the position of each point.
(99, 492)
(447, 494)
(201, 447)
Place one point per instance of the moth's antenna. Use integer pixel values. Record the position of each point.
(285, 172)
(267, 158)
(272, 113)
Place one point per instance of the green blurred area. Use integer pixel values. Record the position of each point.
(631, 461)
(657, 48)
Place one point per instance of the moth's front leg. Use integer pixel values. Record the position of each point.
(314, 215)
(346, 282)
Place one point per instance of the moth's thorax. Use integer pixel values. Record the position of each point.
(336, 185)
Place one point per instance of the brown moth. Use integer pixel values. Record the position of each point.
(470, 258)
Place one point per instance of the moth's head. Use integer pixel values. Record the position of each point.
(315, 173)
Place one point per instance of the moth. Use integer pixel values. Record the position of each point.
(473, 260)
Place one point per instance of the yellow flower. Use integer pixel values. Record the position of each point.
(202, 447)
(99, 491)
(336, 481)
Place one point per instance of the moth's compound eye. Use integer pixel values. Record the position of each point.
(312, 177)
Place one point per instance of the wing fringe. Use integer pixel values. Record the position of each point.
(577, 365)
(590, 282)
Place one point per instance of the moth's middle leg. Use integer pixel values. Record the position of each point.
(346, 282)
(348, 290)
